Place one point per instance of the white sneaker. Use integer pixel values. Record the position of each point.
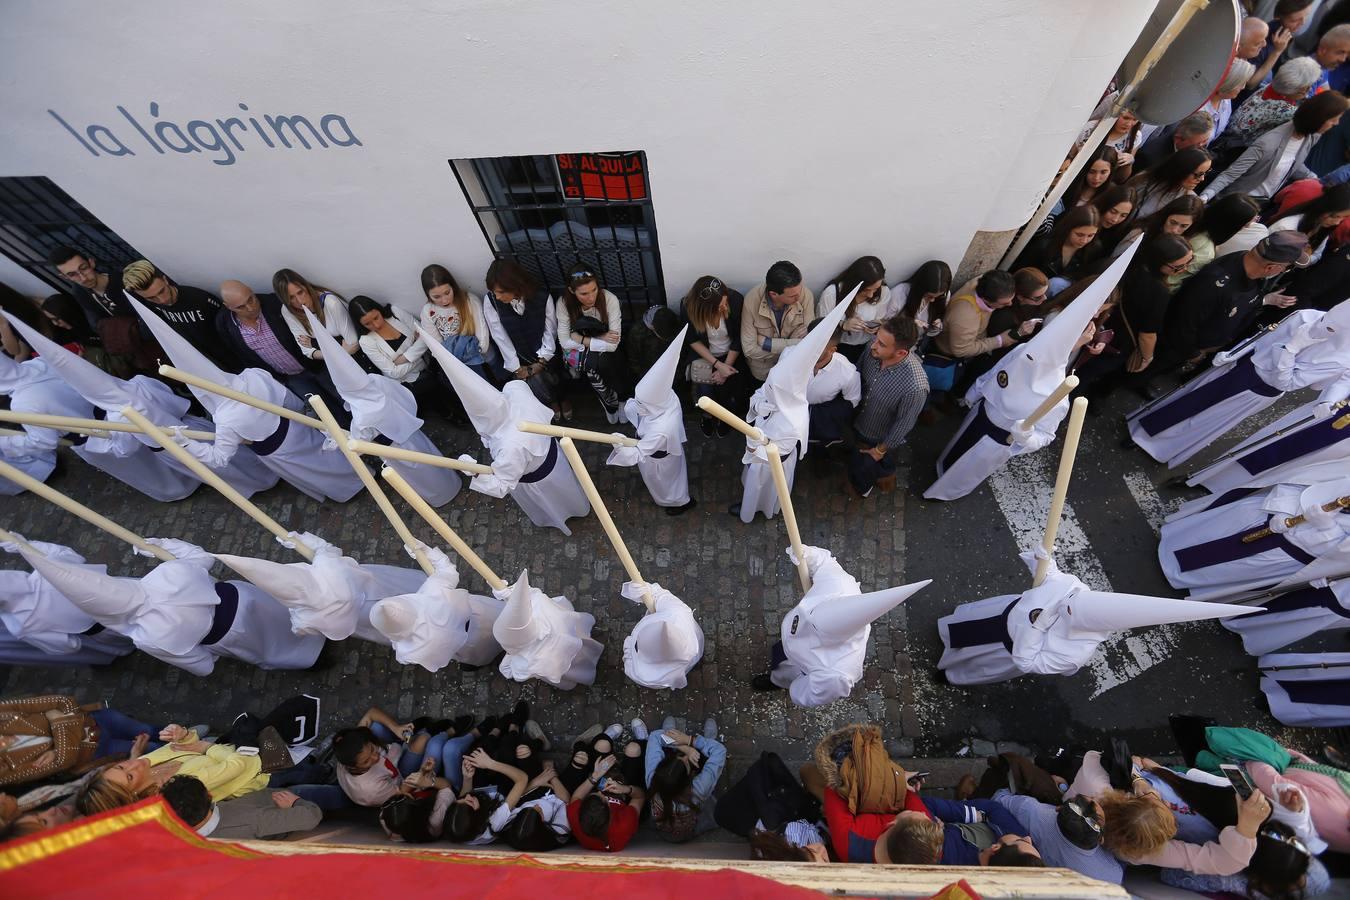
(668, 723)
(614, 417)
(710, 729)
(532, 730)
(614, 731)
(639, 729)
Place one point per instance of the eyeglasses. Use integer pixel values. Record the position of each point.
(712, 289)
(1175, 267)
(1289, 839)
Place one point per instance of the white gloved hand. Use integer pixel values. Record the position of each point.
(815, 557)
(466, 458)
(1277, 523)
(329, 444)
(1021, 434)
(624, 456)
(1222, 358)
(176, 432)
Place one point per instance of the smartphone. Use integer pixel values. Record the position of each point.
(873, 324)
(917, 776)
(1238, 778)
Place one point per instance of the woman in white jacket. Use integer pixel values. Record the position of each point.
(390, 340)
(297, 294)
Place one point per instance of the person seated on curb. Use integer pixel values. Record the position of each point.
(982, 833)
(872, 814)
(259, 815)
(681, 773)
(604, 810)
(770, 807)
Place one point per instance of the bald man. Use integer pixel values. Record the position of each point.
(253, 328)
(1253, 37)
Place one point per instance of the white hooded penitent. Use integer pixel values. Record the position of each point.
(656, 413)
(544, 637)
(666, 642)
(1007, 394)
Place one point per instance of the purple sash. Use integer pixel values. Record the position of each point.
(1317, 436)
(542, 470)
(979, 427)
(1230, 548)
(1332, 692)
(1306, 598)
(270, 443)
(225, 611)
(1241, 377)
(975, 632)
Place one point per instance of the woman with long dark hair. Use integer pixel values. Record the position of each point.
(1318, 218)
(1176, 217)
(1092, 180)
(590, 324)
(297, 294)
(1179, 174)
(539, 822)
(923, 296)
(393, 346)
(713, 311)
(681, 773)
(1068, 250)
(1139, 317)
(869, 308)
(1221, 219)
(1117, 206)
(523, 321)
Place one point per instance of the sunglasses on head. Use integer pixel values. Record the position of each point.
(579, 274)
(712, 289)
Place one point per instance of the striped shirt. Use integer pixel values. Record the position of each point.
(892, 399)
(260, 339)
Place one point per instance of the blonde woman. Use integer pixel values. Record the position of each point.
(297, 294)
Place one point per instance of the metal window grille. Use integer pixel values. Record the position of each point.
(36, 216)
(550, 213)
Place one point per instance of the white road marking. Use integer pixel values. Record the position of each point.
(1023, 489)
(1154, 508)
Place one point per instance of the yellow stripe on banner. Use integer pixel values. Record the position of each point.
(45, 846)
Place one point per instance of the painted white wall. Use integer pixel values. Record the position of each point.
(812, 132)
(19, 279)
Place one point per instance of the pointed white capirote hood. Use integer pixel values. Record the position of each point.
(1332, 334)
(516, 628)
(289, 583)
(377, 403)
(395, 618)
(185, 356)
(1097, 611)
(484, 404)
(98, 594)
(654, 389)
(666, 641)
(842, 617)
(785, 387)
(105, 391)
(1030, 372)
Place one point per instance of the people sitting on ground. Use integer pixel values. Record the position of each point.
(781, 819)
(455, 318)
(681, 773)
(298, 294)
(869, 307)
(774, 317)
(43, 737)
(715, 368)
(610, 795)
(260, 815)
(590, 325)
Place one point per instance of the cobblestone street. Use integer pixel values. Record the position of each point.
(736, 577)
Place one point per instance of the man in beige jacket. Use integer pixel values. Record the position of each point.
(775, 316)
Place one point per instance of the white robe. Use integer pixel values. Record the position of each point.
(37, 390)
(450, 624)
(666, 642)
(260, 634)
(1278, 626)
(958, 477)
(1279, 456)
(131, 462)
(820, 669)
(550, 501)
(1274, 365)
(758, 494)
(35, 612)
(436, 485)
(98, 650)
(1265, 562)
(560, 651)
(301, 459)
(667, 477)
(1326, 667)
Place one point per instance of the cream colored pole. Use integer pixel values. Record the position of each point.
(52, 495)
(368, 448)
(607, 523)
(400, 528)
(96, 427)
(448, 534)
(717, 410)
(576, 434)
(1065, 389)
(10, 537)
(789, 514)
(246, 399)
(202, 471)
(1066, 458)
